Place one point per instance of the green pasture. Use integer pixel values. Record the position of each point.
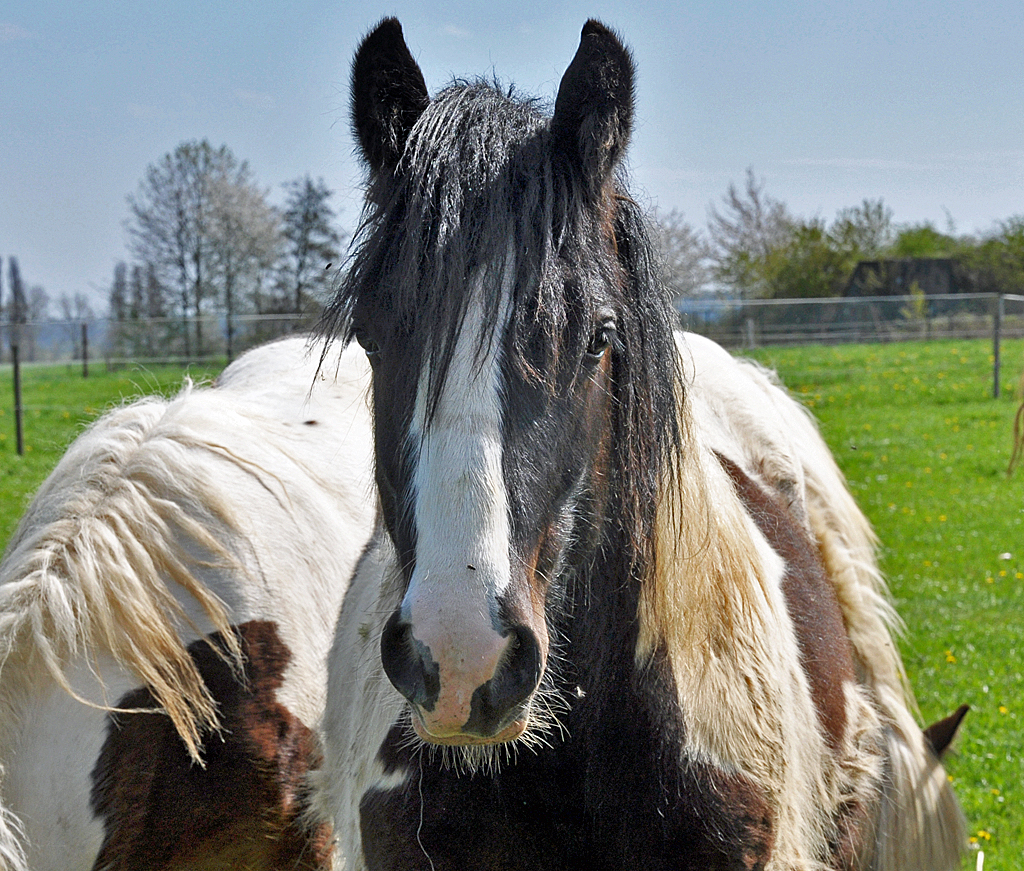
(925, 450)
(57, 404)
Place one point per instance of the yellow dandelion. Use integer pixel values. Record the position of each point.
(1003, 709)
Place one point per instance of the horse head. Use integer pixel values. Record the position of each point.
(497, 290)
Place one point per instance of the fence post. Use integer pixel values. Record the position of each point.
(18, 431)
(997, 329)
(85, 350)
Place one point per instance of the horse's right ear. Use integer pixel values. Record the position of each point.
(594, 108)
(388, 95)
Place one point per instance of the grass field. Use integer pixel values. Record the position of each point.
(924, 447)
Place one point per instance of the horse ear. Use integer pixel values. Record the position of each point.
(594, 107)
(939, 735)
(388, 95)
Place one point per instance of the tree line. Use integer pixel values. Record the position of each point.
(753, 247)
(204, 240)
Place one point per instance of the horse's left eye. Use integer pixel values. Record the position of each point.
(601, 341)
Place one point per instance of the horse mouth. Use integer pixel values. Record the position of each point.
(461, 738)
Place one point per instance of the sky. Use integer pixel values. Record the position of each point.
(918, 104)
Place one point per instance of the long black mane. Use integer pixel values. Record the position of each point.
(482, 186)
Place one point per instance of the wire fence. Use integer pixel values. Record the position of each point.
(760, 322)
(149, 341)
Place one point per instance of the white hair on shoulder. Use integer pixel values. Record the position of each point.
(922, 826)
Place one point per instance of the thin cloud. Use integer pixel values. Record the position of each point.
(858, 163)
(10, 32)
(457, 32)
(256, 100)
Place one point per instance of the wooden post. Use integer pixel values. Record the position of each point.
(85, 350)
(997, 329)
(18, 431)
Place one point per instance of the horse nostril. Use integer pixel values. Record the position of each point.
(501, 699)
(408, 664)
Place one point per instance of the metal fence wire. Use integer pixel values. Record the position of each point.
(150, 341)
(919, 317)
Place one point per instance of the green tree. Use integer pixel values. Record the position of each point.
(923, 240)
(863, 232)
(807, 264)
(995, 263)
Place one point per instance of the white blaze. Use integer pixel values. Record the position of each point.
(461, 506)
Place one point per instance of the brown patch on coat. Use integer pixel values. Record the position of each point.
(825, 653)
(244, 809)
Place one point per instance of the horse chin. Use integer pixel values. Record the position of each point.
(511, 732)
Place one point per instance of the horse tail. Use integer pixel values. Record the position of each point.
(921, 826)
(93, 561)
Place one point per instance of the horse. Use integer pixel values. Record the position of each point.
(166, 609)
(620, 609)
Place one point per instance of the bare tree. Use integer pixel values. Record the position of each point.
(74, 307)
(311, 241)
(684, 255)
(170, 223)
(744, 233)
(244, 235)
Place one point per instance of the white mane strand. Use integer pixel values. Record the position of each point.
(92, 564)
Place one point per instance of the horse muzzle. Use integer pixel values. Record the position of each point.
(472, 687)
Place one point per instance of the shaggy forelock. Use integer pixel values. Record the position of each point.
(481, 191)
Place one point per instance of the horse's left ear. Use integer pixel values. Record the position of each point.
(594, 108)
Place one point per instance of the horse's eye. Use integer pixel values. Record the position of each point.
(601, 341)
(367, 343)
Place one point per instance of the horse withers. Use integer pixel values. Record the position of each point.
(166, 608)
(621, 610)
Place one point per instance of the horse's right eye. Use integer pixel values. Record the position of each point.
(369, 345)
